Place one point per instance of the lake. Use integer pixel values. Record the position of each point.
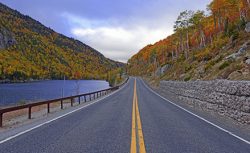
(18, 93)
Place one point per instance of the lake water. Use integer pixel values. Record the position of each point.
(17, 93)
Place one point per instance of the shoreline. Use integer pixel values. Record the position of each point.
(7, 81)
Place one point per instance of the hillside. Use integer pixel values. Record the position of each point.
(29, 50)
(204, 46)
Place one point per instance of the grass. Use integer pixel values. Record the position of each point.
(187, 78)
(212, 62)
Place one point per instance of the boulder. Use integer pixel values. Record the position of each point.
(244, 47)
(235, 75)
(165, 68)
(247, 61)
(232, 56)
(240, 52)
(247, 28)
(161, 70)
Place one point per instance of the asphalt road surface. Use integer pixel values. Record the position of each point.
(127, 121)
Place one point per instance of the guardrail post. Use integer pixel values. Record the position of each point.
(48, 107)
(79, 100)
(90, 97)
(29, 113)
(61, 104)
(1, 120)
(85, 99)
(71, 102)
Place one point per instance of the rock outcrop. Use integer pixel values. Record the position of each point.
(247, 28)
(6, 39)
(161, 70)
(240, 52)
(248, 61)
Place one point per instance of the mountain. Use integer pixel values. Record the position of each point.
(30, 50)
(204, 46)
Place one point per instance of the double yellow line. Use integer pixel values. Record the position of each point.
(137, 134)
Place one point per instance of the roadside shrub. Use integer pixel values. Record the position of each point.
(242, 24)
(187, 78)
(187, 68)
(181, 58)
(205, 55)
(224, 65)
(219, 59)
(219, 42)
(234, 35)
(211, 63)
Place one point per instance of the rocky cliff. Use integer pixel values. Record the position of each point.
(6, 39)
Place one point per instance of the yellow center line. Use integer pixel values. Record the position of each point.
(136, 126)
(139, 128)
(133, 135)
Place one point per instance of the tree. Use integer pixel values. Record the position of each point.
(181, 26)
(196, 21)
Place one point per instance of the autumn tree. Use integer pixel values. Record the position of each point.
(197, 21)
(181, 26)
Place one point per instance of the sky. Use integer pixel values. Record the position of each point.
(116, 28)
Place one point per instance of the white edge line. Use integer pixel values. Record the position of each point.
(37, 126)
(217, 126)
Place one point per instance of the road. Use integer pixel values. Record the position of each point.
(127, 121)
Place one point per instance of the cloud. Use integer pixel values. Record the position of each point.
(115, 41)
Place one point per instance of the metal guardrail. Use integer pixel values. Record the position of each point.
(91, 96)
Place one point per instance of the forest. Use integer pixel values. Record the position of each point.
(200, 38)
(31, 51)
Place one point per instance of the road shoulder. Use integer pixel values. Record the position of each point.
(231, 125)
